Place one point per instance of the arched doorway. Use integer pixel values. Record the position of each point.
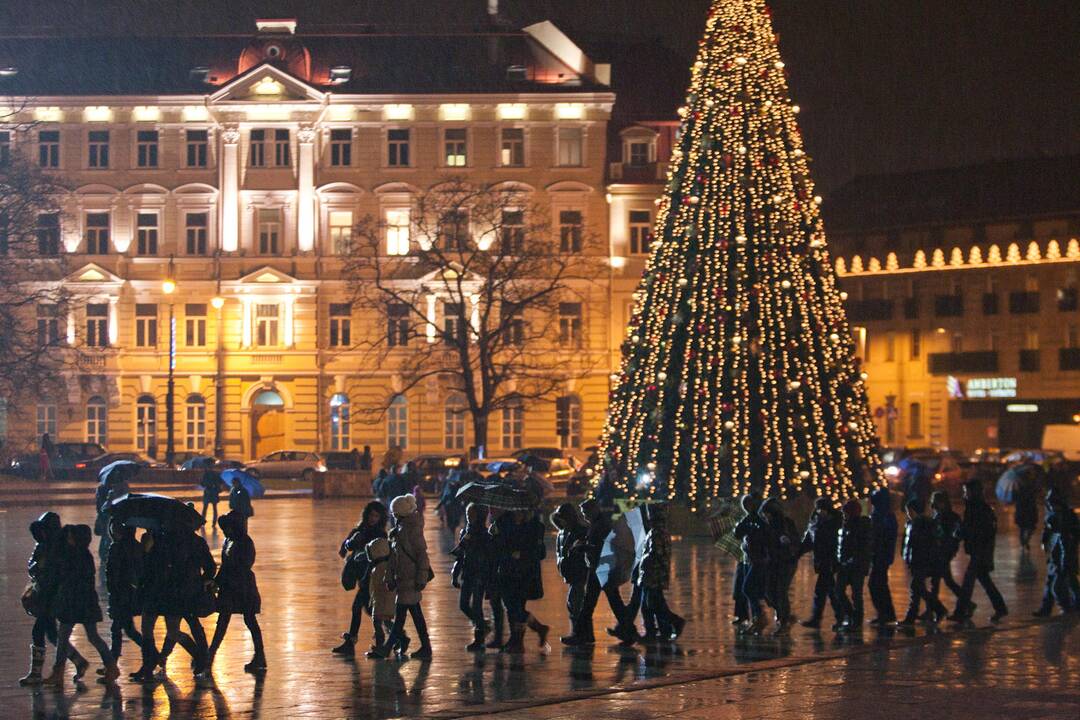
(267, 423)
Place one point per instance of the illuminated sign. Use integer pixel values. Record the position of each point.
(999, 387)
(1022, 408)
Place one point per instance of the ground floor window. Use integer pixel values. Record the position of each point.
(339, 422)
(513, 426)
(146, 425)
(96, 421)
(568, 421)
(195, 423)
(454, 423)
(397, 423)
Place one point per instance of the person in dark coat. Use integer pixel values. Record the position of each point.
(946, 543)
(1061, 534)
(518, 551)
(76, 603)
(570, 558)
(1026, 501)
(238, 593)
(473, 563)
(122, 571)
(372, 525)
(211, 485)
(883, 552)
(783, 560)
(918, 553)
(45, 456)
(654, 577)
(978, 531)
(756, 539)
(853, 556)
(240, 500)
(820, 541)
(917, 484)
(742, 608)
(601, 523)
(43, 567)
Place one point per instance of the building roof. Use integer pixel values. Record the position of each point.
(988, 192)
(403, 62)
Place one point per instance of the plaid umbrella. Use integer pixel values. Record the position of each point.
(721, 525)
(496, 495)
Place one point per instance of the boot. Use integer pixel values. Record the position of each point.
(81, 664)
(347, 646)
(517, 639)
(56, 679)
(678, 624)
(477, 645)
(37, 659)
(111, 673)
(257, 664)
(540, 629)
(496, 641)
(758, 625)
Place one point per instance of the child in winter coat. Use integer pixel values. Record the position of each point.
(946, 544)
(472, 569)
(410, 571)
(852, 564)
(1061, 533)
(238, 593)
(381, 599)
(76, 603)
(753, 532)
(655, 576)
(122, 570)
(372, 525)
(918, 553)
(883, 552)
(571, 559)
(43, 567)
(820, 540)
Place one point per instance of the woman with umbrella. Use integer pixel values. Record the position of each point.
(238, 592)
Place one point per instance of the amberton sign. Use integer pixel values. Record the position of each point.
(992, 387)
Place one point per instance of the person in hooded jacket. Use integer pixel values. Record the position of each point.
(76, 603)
(372, 525)
(853, 554)
(240, 500)
(43, 567)
(238, 593)
(518, 551)
(884, 532)
(382, 600)
(471, 571)
(570, 558)
(978, 531)
(122, 571)
(742, 608)
(409, 573)
(654, 578)
(783, 560)
(755, 535)
(918, 553)
(946, 543)
(820, 541)
(1061, 533)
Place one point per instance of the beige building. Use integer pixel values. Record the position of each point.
(236, 167)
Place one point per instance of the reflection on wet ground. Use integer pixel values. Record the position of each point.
(1030, 669)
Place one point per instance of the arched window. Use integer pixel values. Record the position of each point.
(146, 425)
(268, 397)
(454, 422)
(96, 420)
(568, 421)
(340, 437)
(195, 423)
(397, 423)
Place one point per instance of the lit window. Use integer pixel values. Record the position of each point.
(571, 141)
(97, 421)
(195, 228)
(454, 231)
(281, 148)
(513, 426)
(397, 231)
(397, 423)
(341, 147)
(339, 422)
(568, 421)
(146, 233)
(269, 231)
(197, 146)
(195, 324)
(195, 423)
(146, 320)
(266, 325)
(640, 231)
(397, 145)
(340, 325)
(570, 325)
(146, 148)
(455, 146)
(570, 230)
(341, 231)
(454, 423)
(512, 147)
(98, 149)
(49, 148)
(97, 325)
(97, 233)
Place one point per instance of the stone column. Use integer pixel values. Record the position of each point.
(305, 195)
(230, 189)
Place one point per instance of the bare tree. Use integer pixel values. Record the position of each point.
(483, 303)
(33, 300)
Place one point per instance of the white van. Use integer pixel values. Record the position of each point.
(1065, 438)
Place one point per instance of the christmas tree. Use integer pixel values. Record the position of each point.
(739, 369)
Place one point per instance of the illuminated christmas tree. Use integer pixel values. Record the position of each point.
(739, 367)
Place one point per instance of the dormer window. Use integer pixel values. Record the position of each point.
(639, 153)
(638, 146)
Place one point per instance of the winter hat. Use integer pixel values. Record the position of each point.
(403, 505)
(852, 509)
(82, 534)
(566, 515)
(378, 549)
(823, 503)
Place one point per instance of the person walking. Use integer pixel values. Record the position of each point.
(240, 500)
(946, 543)
(238, 593)
(853, 556)
(38, 600)
(519, 550)
(918, 553)
(471, 571)
(820, 541)
(45, 455)
(1061, 533)
(883, 552)
(76, 603)
(409, 573)
(742, 608)
(783, 561)
(211, 485)
(753, 532)
(122, 571)
(655, 576)
(573, 565)
(978, 531)
(1026, 501)
(601, 524)
(372, 525)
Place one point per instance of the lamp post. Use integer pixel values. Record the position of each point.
(169, 287)
(218, 303)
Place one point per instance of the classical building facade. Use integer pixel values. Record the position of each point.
(213, 183)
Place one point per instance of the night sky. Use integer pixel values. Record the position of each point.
(885, 85)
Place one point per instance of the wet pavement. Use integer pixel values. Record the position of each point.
(1027, 669)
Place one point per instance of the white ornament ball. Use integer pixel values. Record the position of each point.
(794, 385)
(729, 424)
(786, 284)
(661, 376)
(804, 474)
(635, 339)
(834, 337)
(683, 282)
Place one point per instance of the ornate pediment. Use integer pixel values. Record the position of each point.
(92, 273)
(267, 275)
(266, 84)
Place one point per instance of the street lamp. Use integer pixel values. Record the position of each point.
(169, 287)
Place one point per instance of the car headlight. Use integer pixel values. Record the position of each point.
(892, 471)
(321, 467)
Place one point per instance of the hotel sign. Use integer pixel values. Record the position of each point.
(993, 387)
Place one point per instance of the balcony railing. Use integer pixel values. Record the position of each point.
(963, 362)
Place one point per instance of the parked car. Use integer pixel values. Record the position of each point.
(944, 466)
(66, 456)
(291, 464)
(184, 456)
(94, 465)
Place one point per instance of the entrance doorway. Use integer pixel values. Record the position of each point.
(267, 424)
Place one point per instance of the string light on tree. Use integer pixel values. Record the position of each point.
(740, 371)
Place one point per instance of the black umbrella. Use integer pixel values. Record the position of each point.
(497, 495)
(155, 512)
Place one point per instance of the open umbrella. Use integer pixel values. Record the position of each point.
(496, 495)
(199, 462)
(154, 512)
(250, 482)
(1008, 484)
(118, 469)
